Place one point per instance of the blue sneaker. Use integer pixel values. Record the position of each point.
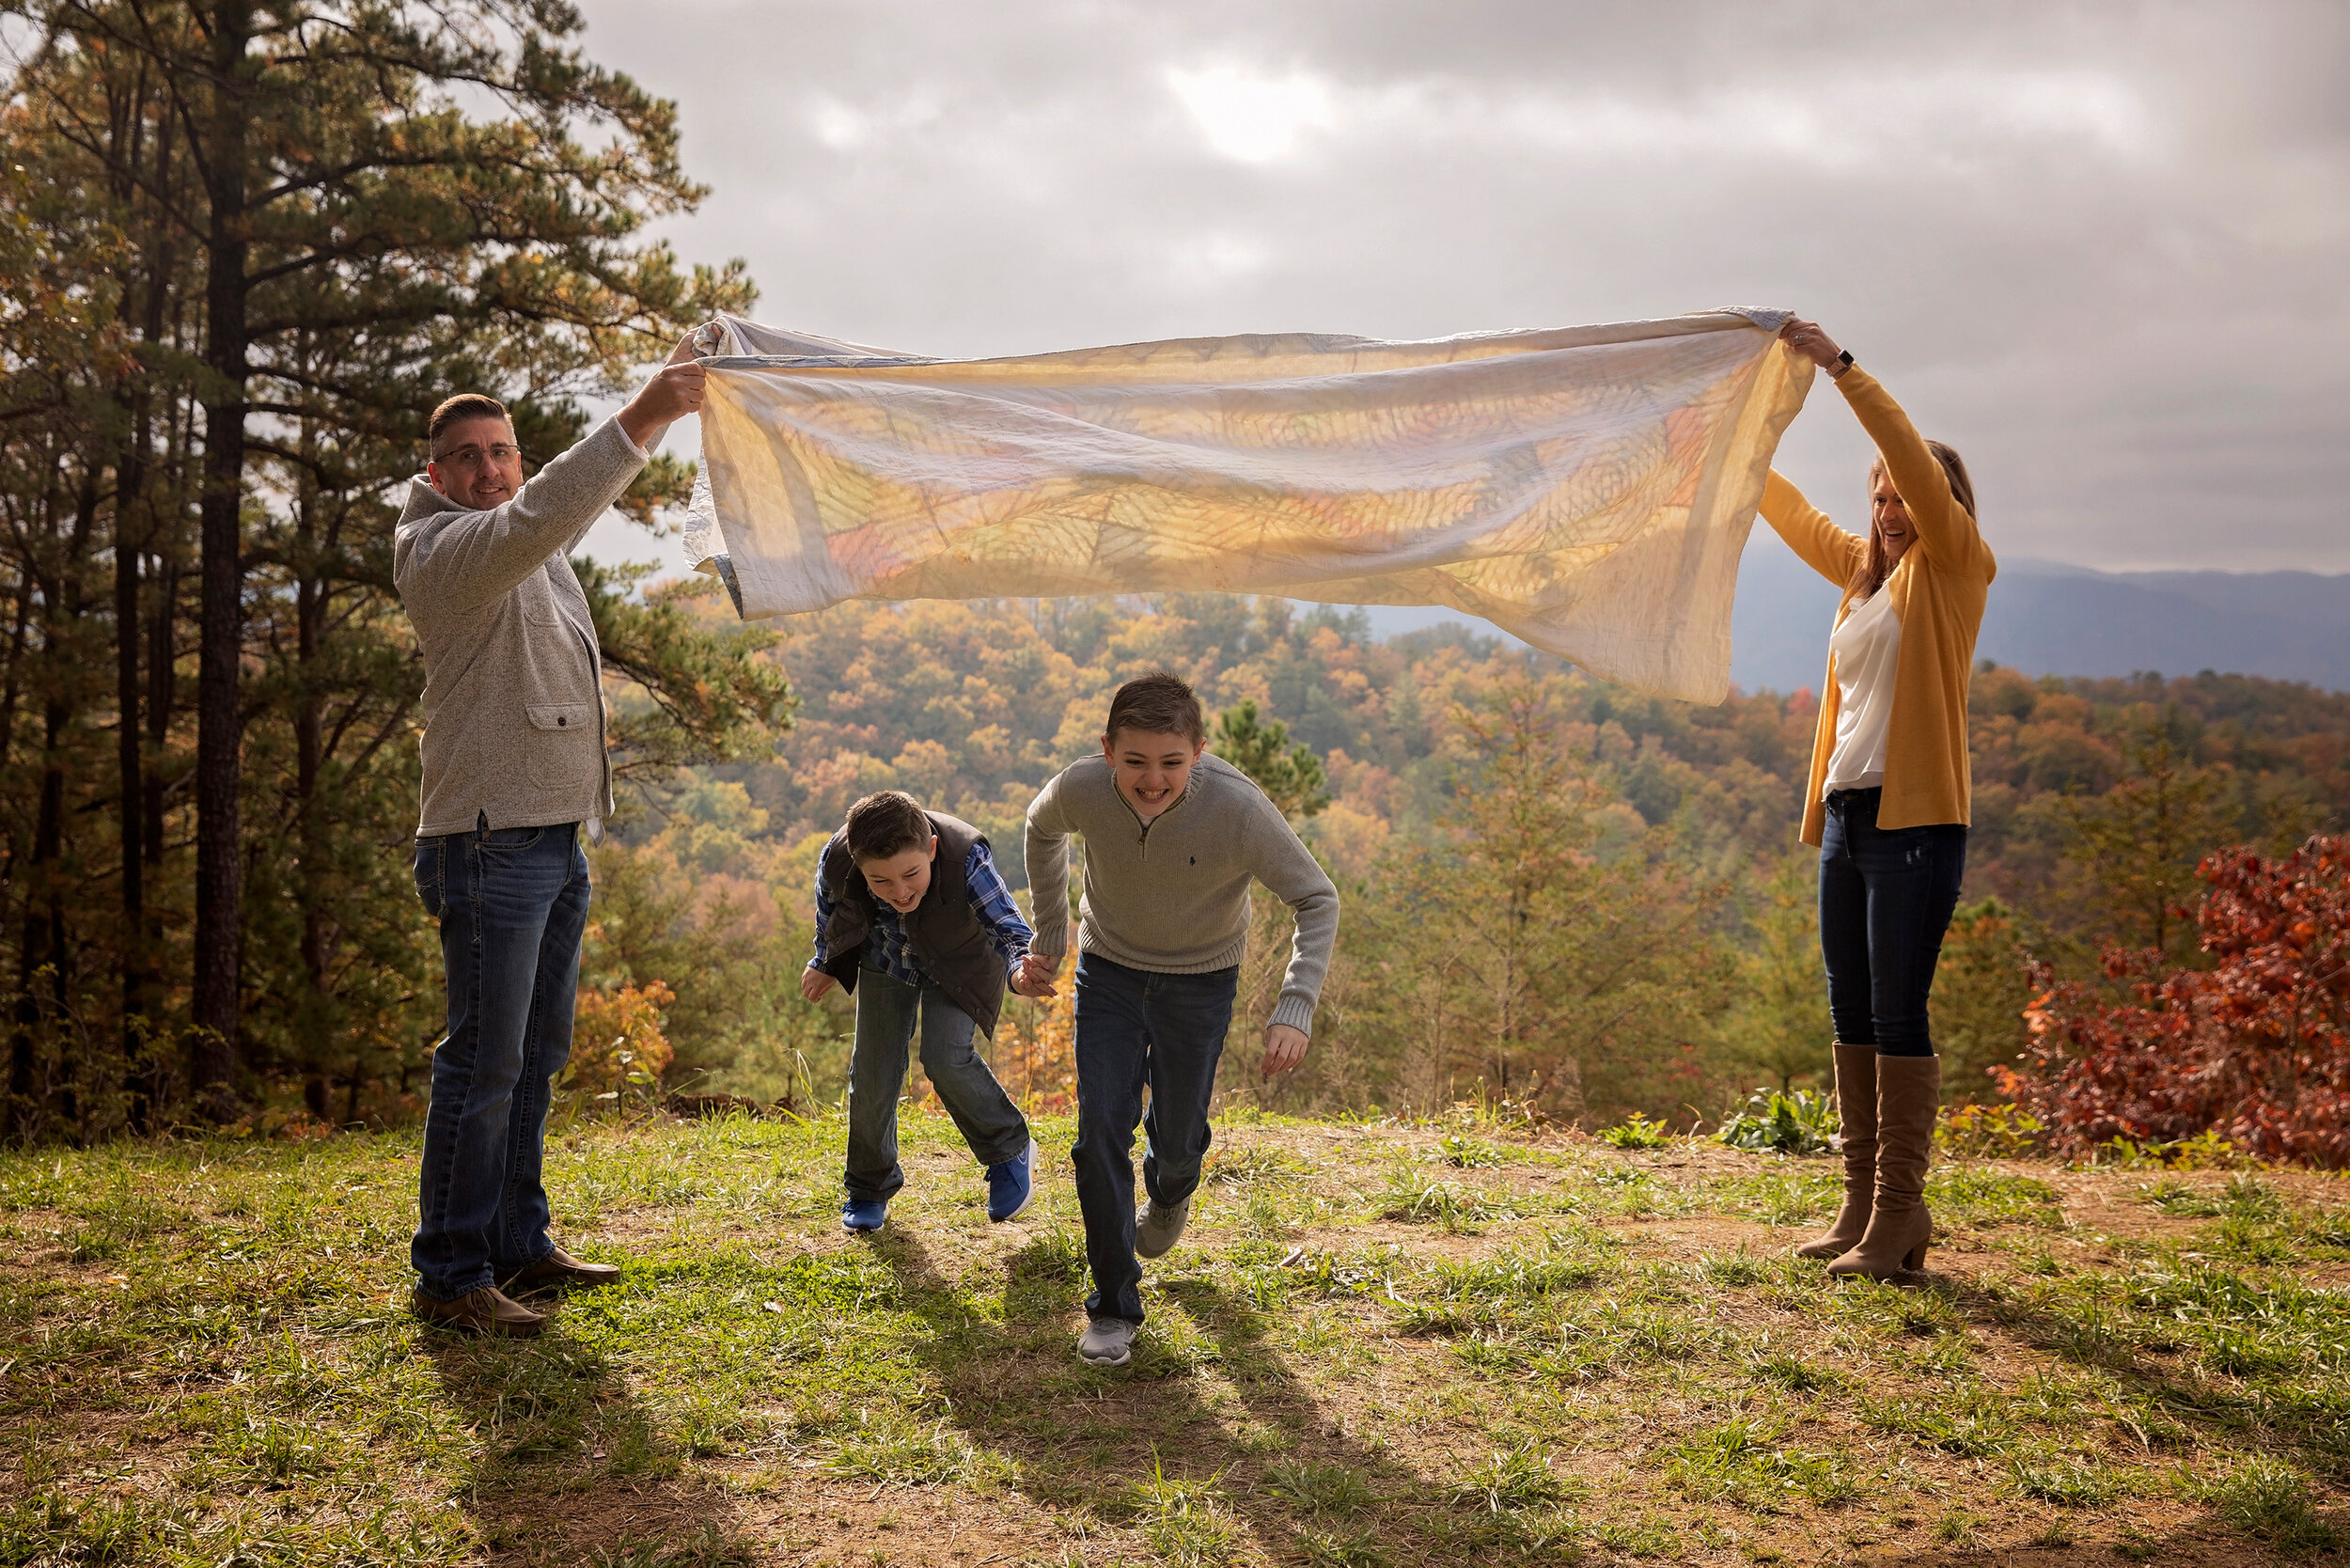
(1011, 1185)
(864, 1216)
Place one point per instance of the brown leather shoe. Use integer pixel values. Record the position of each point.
(486, 1310)
(559, 1270)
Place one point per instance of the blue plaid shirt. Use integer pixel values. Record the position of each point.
(885, 948)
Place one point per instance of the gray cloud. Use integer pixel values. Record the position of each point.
(2099, 247)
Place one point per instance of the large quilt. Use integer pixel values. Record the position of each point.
(1586, 489)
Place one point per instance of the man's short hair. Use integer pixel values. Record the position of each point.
(888, 824)
(1157, 704)
(465, 406)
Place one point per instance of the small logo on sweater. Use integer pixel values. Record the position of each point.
(1195, 861)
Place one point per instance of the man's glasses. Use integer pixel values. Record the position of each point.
(473, 457)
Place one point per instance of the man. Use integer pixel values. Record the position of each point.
(515, 770)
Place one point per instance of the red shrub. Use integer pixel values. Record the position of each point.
(2256, 1049)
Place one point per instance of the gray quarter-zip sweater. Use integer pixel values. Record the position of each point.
(513, 700)
(1171, 895)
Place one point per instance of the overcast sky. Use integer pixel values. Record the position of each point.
(2103, 249)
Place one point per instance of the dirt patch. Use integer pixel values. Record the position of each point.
(784, 1518)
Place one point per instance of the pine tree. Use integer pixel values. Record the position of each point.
(2136, 845)
(1527, 947)
(275, 240)
(1291, 777)
(1981, 990)
(346, 202)
(1781, 1026)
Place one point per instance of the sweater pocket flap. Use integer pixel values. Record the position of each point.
(561, 716)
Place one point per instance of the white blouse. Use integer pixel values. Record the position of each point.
(1865, 649)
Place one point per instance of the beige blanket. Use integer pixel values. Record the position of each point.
(1586, 489)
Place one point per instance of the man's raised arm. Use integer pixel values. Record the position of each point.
(471, 557)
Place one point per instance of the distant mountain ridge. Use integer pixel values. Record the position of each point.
(2046, 619)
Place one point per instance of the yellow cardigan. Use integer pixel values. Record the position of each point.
(1937, 590)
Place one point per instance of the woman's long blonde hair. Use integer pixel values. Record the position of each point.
(1874, 569)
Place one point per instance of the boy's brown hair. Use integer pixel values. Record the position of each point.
(888, 824)
(465, 406)
(1157, 704)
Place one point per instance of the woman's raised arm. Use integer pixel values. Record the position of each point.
(1946, 530)
(1823, 546)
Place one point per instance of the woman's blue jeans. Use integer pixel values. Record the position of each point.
(886, 1010)
(512, 905)
(1886, 897)
(1138, 1029)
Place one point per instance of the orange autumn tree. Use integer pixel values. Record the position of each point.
(616, 1042)
(1035, 1049)
(2256, 1049)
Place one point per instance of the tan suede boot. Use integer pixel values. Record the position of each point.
(1856, 1106)
(1909, 1091)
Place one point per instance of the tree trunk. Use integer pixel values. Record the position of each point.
(130, 794)
(20, 1045)
(219, 875)
(309, 756)
(153, 1089)
(43, 940)
(137, 955)
(38, 1060)
(29, 1077)
(10, 688)
(135, 534)
(162, 689)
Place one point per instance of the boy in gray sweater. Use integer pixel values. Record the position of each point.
(1172, 838)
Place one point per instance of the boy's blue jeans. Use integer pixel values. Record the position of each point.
(512, 905)
(1886, 897)
(1139, 1028)
(983, 1113)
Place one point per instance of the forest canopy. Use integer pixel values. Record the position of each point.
(244, 249)
(1555, 890)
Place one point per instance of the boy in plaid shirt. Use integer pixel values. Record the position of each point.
(914, 919)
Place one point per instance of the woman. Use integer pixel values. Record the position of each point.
(1887, 804)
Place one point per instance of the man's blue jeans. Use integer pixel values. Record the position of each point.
(1139, 1028)
(983, 1113)
(1886, 897)
(512, 905)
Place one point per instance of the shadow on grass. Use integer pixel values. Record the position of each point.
(2257, 1509)
(1145, 1447)
(570, 1468)
(1200, 1471)
(2177, 1549)
(2310, 1424)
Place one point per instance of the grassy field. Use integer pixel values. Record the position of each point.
(1378, 1346)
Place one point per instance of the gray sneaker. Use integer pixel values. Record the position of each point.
(1106, 1342)
(1158, 1227)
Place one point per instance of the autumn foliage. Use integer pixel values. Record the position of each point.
(618, 1040)
(2255, 1047)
